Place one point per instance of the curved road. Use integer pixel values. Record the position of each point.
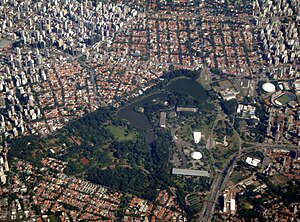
(218, 184)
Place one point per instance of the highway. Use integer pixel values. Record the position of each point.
(216, 188)
(221, 178)
(218, 184)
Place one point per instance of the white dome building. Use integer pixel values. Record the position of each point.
(196, 155)
(268, 87)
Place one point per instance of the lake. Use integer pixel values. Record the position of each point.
(140, 120)
(191, 88)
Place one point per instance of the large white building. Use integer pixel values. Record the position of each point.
(268, 87)
(197, 137)
(252, 161)
(196, 155)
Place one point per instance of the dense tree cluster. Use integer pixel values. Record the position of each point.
(230, 106)
(182, 72)
(134, 166)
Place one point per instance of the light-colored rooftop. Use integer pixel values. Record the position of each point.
(188, 172)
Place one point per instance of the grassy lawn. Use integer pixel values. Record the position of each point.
(219, 164)
(279, 180)
(284, 99)
(237, 177)
(179, 183)
(234, 140)
(205, 79)
(221, 153)
(202, 127)
(246, 205)
(52, 218)
(224, 151)
(52, 142)
(185, 132)
(121, 133)
(198, 123)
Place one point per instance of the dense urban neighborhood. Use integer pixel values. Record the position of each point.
(149, 110)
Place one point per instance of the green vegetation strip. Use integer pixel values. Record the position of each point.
(121, 133)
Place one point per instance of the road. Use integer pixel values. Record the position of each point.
(219, 183)
(216, 188)
(220, 180)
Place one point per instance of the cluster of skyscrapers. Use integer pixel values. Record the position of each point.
(31, 33)
(279, 21)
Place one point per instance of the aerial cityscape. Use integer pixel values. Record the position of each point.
(150, 110)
